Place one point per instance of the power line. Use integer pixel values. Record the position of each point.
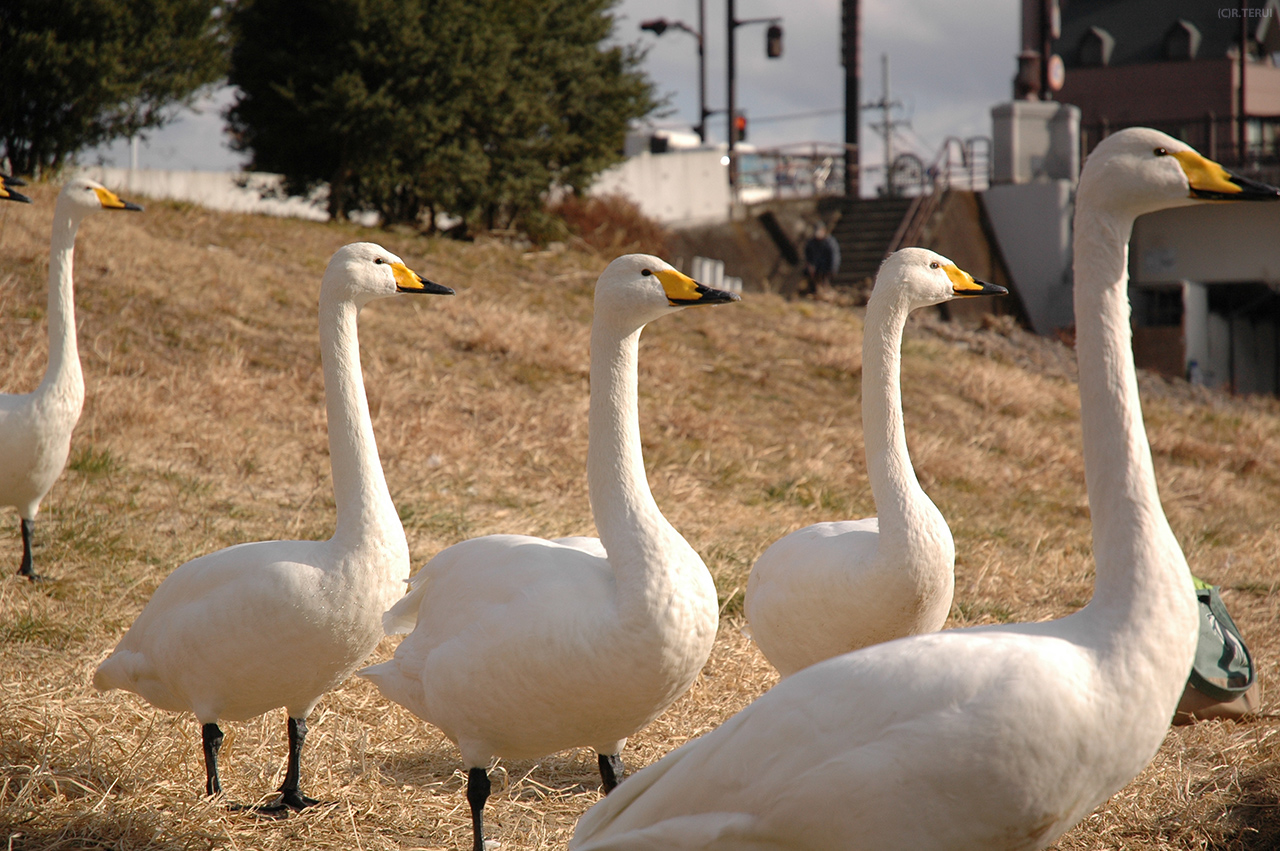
(796, 116)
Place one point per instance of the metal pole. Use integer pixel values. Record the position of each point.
(852, 108)
(1244, 43)
(888, 126)
(702, 71)
(733, 106)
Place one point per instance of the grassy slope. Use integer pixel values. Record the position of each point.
(204, 426)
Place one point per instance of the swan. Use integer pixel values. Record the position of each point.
(241, 631)
(35, 428)
(524, 647)
(998, 737)
(7, 194)
(830, 588)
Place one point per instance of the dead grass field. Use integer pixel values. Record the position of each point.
(204, 426)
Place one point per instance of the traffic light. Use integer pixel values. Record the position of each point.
(739, 128)
(773, 41)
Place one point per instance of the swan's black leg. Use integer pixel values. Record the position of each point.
(477, 794)
(212, 744)
(290, 797)
(611, 771)
(27, 568)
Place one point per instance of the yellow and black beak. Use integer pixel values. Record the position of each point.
(963, 284)
(682, 290)
(408, 281)
(12, 180)
(112, 201)
(1211, 182)
(7, 194)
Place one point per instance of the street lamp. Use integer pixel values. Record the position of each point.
(773, 49)
(658, 26)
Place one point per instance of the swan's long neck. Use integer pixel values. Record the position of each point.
(901, 504)
(63, 378)
(360, 493)
(1143, 585)
(632, 529)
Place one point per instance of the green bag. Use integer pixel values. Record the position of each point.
(1223, 668)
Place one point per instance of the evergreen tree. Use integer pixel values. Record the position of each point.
(78, 73)
(408, 107)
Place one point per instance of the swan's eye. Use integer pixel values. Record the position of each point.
(646, 273)
(934, 265)
(1160, 152)
(379, 261)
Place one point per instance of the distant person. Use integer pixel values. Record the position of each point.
(821, 260)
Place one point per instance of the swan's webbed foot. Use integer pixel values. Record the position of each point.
(290, 799)
(612, 771)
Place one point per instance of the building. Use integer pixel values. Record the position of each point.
(1204, 280)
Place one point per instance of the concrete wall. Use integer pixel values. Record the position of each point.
(1032, 224)
(1034, 140)
(1208, 243)
(215, 190)
(678, 188)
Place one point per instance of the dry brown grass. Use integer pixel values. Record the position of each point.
(204, 427)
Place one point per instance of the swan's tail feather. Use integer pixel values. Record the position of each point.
(393, 684)
(403, 616)
(122, 669)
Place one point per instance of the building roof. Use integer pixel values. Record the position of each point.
(1139, 28)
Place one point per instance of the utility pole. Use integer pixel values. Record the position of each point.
(732, 124)
(887, 124)
(658, 26)
(851, 59)
(731, 95)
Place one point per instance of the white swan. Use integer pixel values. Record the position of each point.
(996, 738)
(35, 428)
(7, 182)
(830, 588)
(525, 647)
(241, 631)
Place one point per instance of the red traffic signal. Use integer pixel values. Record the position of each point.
(739, 127)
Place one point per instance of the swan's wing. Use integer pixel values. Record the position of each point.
(703, 832)
(503, 609)
(805, 593)
(592, 546)
(506, 562)
(880, 749)
(208, 617)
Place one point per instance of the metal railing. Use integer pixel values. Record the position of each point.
(959, 164)
(1252, 146)
(803, 170)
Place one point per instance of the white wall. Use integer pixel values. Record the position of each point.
(240, 192)
(678, 188)
(1032, 223)
(1208, 243)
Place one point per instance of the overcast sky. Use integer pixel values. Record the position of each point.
(949, 63)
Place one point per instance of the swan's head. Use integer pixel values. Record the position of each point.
(86, 196)
(1140, 170)
(921, 277)
(363, 271)
(639, 288)
(6, 190)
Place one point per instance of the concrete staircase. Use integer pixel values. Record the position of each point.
(865, 229)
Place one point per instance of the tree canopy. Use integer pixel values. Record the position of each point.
(78, 73)
(408, 107)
